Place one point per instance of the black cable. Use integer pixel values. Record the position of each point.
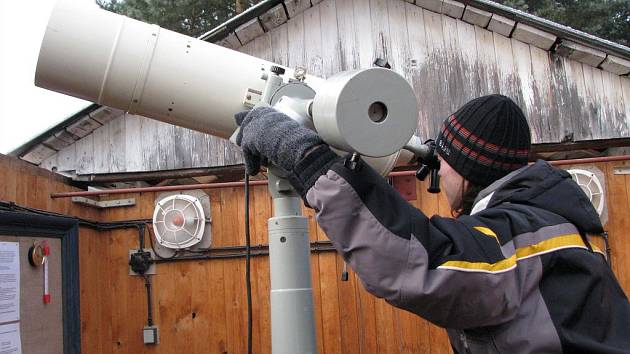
(608, 251)
(233, 255)
(97, 225)
(141, 229)
(147, 284)
(316, 246)
(153, 246)
(101, 226)
(248, 283)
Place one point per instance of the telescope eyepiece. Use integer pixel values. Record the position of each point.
(277, 70)
(429, 165)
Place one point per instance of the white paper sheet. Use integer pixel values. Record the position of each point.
(10, 342)
(9, 282)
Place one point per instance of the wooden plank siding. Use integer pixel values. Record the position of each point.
(200, 306)
(133, 143)
(446, 60)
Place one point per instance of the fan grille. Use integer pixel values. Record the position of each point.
(592, 187)
(178, 221)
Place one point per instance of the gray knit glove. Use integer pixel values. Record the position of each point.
(270, 137)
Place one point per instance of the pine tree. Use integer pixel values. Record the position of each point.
(609, 19)
(190, 17)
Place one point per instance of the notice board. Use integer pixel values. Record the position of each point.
(50, 327)
(41, 329)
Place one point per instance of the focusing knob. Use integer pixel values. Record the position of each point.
(382, 63)
(277, 70)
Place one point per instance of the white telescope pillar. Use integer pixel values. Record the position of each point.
(292, 318)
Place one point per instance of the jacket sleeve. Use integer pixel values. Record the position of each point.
(449, 271)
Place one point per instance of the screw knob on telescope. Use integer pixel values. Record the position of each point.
(382, 63)
(277, 70)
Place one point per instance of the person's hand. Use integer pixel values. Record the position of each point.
(270, 137)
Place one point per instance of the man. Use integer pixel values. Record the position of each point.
(512, 273)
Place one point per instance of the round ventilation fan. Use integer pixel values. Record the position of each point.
(591, 186)
(178, 221)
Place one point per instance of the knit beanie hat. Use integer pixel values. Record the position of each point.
(485, 139)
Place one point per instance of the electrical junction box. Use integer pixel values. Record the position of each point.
(150, 335)
(151, 270)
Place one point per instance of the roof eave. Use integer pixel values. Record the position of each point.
(556, 29)
(24, 148)
(229, 26)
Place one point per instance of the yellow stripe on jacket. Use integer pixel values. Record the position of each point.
(546, 246)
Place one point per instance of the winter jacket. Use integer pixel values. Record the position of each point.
(516, 276)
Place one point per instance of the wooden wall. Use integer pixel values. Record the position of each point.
(28, 185)
(447, 61)
(131, 143)
(200, 306)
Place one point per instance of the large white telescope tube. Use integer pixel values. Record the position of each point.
(144, 69)
(119, 62)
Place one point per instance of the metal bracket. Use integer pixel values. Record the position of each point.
(252, 97)
(621, 170)
(103, 204)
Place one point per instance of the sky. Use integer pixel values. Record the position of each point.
(26, 110)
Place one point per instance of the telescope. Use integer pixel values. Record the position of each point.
(143, 69)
